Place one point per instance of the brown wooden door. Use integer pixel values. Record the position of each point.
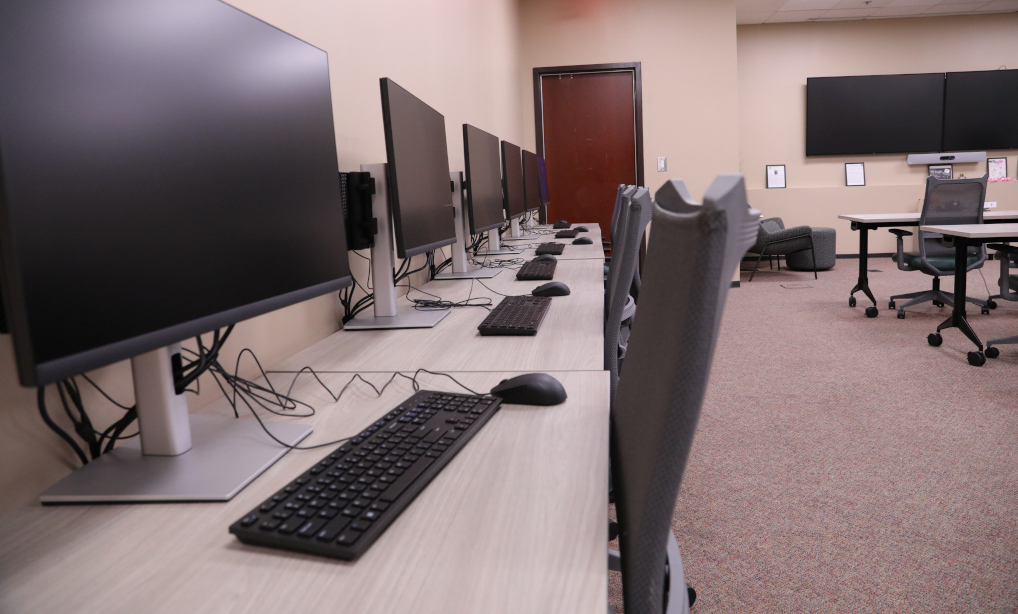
(588, 130)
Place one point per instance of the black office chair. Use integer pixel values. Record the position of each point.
(947, 201)
(773, 239)
(690, 262)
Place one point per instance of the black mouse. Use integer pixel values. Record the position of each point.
(552, 288)
(547, 257)
(560, 224)
(581, 229)
(582, 241)
(531, 389)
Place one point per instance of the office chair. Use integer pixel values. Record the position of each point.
(619, 304)
(607, 243)
(1008, 285)
(690, 261)
(622, 196)
(947, 201)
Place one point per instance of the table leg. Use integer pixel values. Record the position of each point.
(958, 317)
(864, 283)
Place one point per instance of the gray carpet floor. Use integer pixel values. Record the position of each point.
(842, 464)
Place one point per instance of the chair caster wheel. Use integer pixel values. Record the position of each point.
(871, 312)
(890, 305)
(691, 593)
(934, 339)
(991, 304)
(938, 303)
(992, 352)
(851, 301)
(901, 314)
(977, 359)
(985, 311)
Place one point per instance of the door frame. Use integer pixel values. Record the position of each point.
(633, 67)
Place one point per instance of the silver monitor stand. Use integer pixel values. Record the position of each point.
(180, 457)
(460, 267)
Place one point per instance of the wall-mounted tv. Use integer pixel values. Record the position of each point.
(980, 110)
(874, 114)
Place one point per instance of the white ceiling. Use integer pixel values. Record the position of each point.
(784, 11)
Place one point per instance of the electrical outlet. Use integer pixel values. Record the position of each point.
(662, 164)
(990, 204)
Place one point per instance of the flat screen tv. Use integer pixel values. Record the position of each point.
(980, 110)
(874, 114)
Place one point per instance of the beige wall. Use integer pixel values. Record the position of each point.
(774, 62)
(460, 56)
(688, 61)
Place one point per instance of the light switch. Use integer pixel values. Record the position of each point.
(662, 163)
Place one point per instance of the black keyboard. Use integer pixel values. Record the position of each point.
(341, 505)
(567, 234)
(516, 315)
(555, 249)
(536, 270)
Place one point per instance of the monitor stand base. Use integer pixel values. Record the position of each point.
(406, 317)
(481, 273)
(226, 455)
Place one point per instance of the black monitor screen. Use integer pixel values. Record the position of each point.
(531, 182)
(166, 168)
(542, 174)
(418, 157)
(512, 181)
(874, 114)
(980, 110)
(484, 179)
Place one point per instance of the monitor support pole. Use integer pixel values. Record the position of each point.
(388, 313)
(460, 268)
(515, 234)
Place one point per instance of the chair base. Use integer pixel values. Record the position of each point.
(936, 295)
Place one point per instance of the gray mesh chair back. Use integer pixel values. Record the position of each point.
(949, 201)
(623, 267)
(690, 261)
(625, 194)
(615, 211)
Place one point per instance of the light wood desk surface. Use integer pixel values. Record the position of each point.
(579, 275)
(976, 231)
(571, 338)
(514, 523)
(912, 219)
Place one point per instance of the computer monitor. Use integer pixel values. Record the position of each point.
(531, 182)
(169, 168)
(481, 209)
(483, 179)
(542, 175)
(513, 189)
(413, 196)
(418, 172)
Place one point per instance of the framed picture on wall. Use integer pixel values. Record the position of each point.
(855, 173)
(996, 168)
(775, 175)
(942, 171)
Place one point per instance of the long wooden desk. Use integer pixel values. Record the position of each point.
(966, 235)
(579, 275)
(594, 251)
(864, 222)
(515, 523)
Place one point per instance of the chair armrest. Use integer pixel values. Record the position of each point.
(1002, 249)
(900, 257)
(789, 233)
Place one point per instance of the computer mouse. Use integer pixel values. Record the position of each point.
(552, 288)
(547, 257)
(582, 241)
(581, 229)
(531, 389)
(561, 224)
